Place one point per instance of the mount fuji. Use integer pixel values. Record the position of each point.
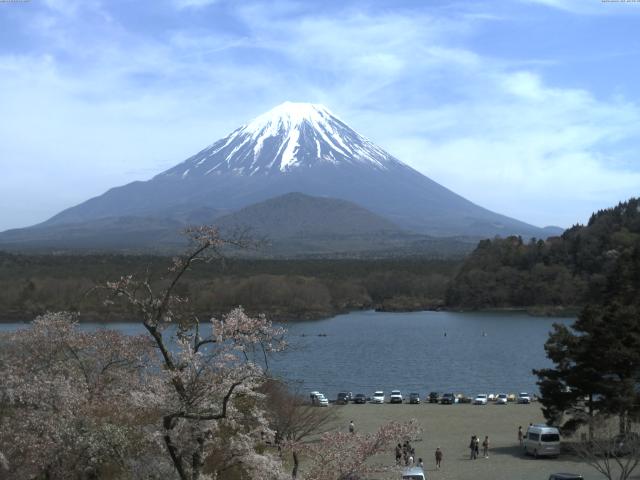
(295, 147)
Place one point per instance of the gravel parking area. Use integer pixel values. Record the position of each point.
(450, 428)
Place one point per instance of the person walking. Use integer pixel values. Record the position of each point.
(398, 454)
(477, 446)
(520, 436)
(438, 458)
(352, 427)
(485, 447)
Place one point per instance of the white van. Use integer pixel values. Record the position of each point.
(413, 473)
(542, 441)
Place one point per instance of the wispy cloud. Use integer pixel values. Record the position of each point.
(181, 4)
(590, 7)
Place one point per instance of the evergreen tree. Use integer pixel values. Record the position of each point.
(597, 360)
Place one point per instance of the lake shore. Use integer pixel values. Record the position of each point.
(450, 428)
(290, 317)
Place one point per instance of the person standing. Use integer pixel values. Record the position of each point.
(472, 447)
(420, 463)
(352, 427)
(438, 458)
(520, 436)
(485, 447)
(398, 454)
(477, 446)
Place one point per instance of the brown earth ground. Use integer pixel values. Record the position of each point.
(450, 428)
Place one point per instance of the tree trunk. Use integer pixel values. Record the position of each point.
(623, 423)
(169, 423)
(590, 408)
(296, 464)
(197, 459)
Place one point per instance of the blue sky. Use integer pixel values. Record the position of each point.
(528, 107)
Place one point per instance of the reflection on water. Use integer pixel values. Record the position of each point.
(420, 351)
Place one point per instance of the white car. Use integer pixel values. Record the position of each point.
(321, 400)
(378, 397)
(523, 397)
(481, 399)
(318, 398)
(395, 397)
(502, 399)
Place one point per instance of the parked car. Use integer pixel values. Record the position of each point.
(565, 476)
(523, 397)
(542, 440)
(360, 398)
(434, 397)
(414, 398)
(448, 399)
(378, 397)
(395, 397)
(501, 399)
(481, 399)
(314, 396)
(342, 399)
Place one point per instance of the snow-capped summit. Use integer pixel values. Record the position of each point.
(287, 137)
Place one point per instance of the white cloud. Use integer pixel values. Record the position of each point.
(182, 4)
(527, 150)
(590, 7)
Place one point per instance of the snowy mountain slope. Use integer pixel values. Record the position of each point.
(295, 148)
(291, 136)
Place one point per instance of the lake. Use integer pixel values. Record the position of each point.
(470, 353)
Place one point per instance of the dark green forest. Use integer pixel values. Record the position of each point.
(283, 289)
(561, 273)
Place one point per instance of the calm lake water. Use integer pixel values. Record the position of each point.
(365, 351)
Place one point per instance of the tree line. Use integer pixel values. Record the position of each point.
(595, 378)
(283, 289)
(565, 271)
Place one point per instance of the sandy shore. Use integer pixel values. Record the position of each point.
(450, 428)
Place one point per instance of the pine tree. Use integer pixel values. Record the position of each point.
(597, 360)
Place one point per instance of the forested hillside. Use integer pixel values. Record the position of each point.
(283, 289)
(561, 272)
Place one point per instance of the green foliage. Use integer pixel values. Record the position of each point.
(597, 361)
(561, 271)
(284, 289)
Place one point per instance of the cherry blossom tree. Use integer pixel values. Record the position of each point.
(67, 399)
(212, 370)
(293, 419)
(347, 456)
(613, 455)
